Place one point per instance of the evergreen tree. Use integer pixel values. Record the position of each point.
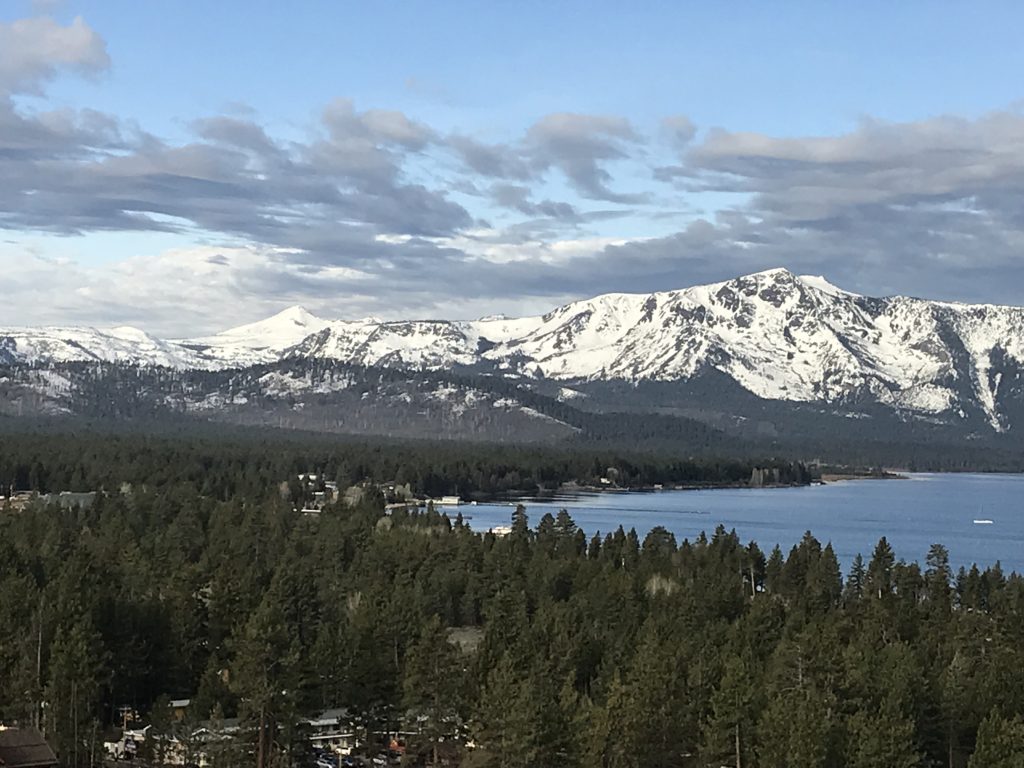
(1000, 743)
(433, 684)
(856, 581)
(884, 737)
(504, 726)
(795, 731)
(657, 710)
(263, 676)
(728, 733)
(609, 745)
(879, 579)
(77, 674)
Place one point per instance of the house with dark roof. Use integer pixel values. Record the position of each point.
(332, 730)
(25, 748)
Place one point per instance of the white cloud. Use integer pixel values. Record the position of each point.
(179, 292)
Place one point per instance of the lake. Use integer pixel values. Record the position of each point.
(913, 514)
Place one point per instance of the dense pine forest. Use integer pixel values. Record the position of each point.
(193, 576)
(225, 461)
(707, 416)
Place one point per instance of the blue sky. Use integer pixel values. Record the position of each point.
(780, 68)
(521, 147)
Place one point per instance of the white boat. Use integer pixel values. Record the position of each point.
(983, 522)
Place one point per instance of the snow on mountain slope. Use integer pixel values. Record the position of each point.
(259, 342)
(778, 335)
(782, 337)
(123, 345)
(415, 344)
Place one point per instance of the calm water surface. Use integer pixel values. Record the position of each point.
(913, 514)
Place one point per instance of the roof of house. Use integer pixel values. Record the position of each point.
(222, 726)
(25, 748)
(329, 717)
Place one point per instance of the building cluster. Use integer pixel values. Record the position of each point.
(18, 500)
(312, 492)
(334, 736)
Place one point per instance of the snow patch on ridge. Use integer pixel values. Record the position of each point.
(778, 335)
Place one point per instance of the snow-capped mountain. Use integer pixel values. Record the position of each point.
(259, 342)
(123, 344)
(779, 336)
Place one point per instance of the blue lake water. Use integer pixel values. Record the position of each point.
(913, 514)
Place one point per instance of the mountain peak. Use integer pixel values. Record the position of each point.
(819, 282)
(127, 331)
(296, 313)
(287, 327)
(295, 316)
(783, 276)
(774, 272)
(777, 277)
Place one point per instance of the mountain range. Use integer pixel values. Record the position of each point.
(773, 337)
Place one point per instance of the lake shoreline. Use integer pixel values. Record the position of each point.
(842, 477)
(827, 478)
(549, 494)
(930, 508)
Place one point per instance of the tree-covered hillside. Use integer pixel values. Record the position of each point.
(226, 462)
(543, 647)
(709, 415)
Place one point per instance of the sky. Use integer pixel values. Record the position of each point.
(186, 167)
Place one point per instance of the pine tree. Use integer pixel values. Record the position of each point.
(263, 676)
(773, 570)
(1000, 743)
(938, 578)
(77, 672)
(433, 684)
(879, 579)
(657, 702)
(608, 745)
(883, 737)
(727, 736)
(504, 728)
(795, 731)
(854, 589)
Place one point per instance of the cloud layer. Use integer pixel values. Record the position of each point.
(374, 211)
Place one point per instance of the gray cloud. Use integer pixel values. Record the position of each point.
(500, 161)
(77, 172)
(235, 132)
(938, 160)
(74, 172)
(374, 128)
(931, 206)
(679, 130)
(579, 145)
(35, 49)
(369, 205)
(517, 198)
